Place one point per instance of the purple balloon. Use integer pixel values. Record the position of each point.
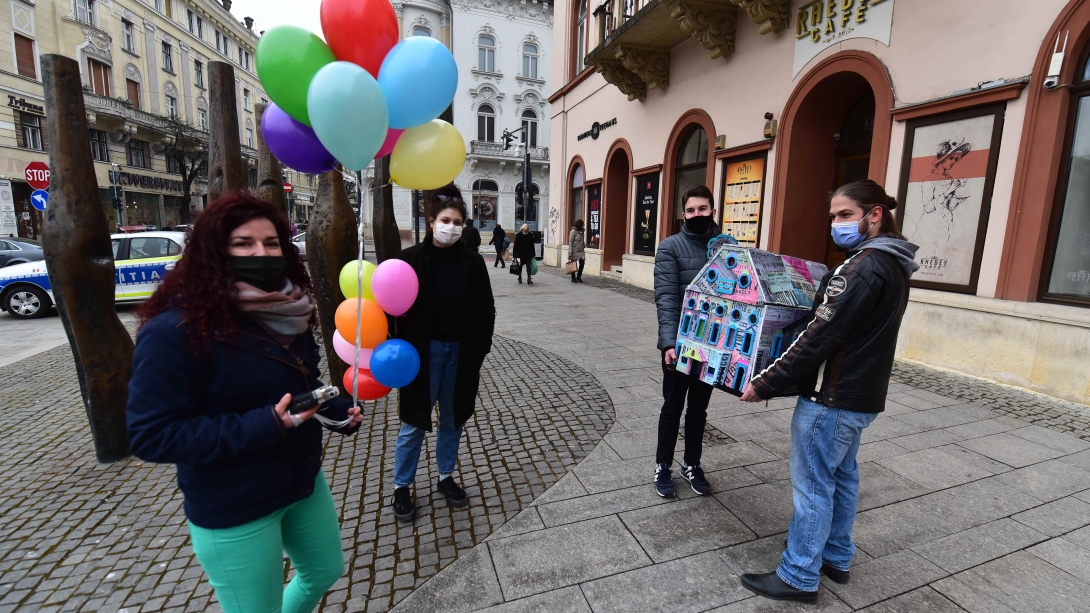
(294, 143)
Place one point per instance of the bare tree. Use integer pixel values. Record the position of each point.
(186, 150)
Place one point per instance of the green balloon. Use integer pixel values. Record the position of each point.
(287, 59)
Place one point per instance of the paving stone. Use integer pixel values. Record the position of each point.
(978, 545)
(879, 486)
(598, 478)
(884, 428)
(602, 454)
(723, 480)
(706, 525)
(465, 586)
(567, 487)
(887, 530)
(1048, 480)
(566, 600)
(779, 446)
(1065, 555)
(916, 601)
(885, 577)
(827, 603)
(934, 469)
(1011, 450)
(980, 502)
(695, 583)
(910, 400)
(636, 444)
(1057, 517)
(1080, 537)
(934, 419)
(765, 509)
(878, 450)
(978, 429)
(1051, 439)
(734, 455)
(526, 521)
(599, 505)
(758, 556)
(971, 457)
(780, 470)
(926, 440)
(1018, 583)
(537, 562)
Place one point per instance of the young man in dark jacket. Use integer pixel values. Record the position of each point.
(677, 262)
(840, 365)
(499, 239)
(471, 236)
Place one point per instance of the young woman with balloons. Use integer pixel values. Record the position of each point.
(225, 343)
(450, 325)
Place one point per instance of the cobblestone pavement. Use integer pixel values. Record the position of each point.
(77, 536)
(962, 507)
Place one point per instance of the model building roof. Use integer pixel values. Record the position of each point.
(757, 277)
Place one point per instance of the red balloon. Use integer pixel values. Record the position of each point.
(360, 31)
(369, 389)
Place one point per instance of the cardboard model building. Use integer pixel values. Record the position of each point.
(742, 311)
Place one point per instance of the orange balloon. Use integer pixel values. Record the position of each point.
(373, 328)
(369, 389)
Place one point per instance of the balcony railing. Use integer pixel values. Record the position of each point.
(124, 109)
(634, 37)
(480, 147)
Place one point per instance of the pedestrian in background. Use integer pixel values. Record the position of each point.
(499, 239)
(450, 325)
(471, 236)
(840, 365)
(225, 343)
(678, 260)
(577, 250)
(525, 253)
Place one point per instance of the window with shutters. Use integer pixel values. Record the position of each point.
(168, 57)
(31, 131)
(100, 147)
(98, 77)
(132, 89)
(128, 37)
(198, 73)
(139, 155)
(24, 57)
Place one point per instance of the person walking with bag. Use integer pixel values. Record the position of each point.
(225, 343)
(450, 325)
(577, 257)
(525, 253)
(499, 239)
(840, 364)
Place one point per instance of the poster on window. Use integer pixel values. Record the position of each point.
(946, 186)
(647, 207)
(594, 215)
(742, 192)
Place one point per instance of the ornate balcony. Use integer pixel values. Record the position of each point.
(635, 37)
(121, 109)
(488, 149)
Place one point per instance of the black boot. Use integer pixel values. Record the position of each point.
(771, 586)
(835, 574)
(573, 278)
(404, 508)
(453, 492)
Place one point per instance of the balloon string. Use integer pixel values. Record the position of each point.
(359, 302)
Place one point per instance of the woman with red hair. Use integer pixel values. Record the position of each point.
(224, 344)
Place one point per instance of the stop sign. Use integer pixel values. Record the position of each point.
(37, 174)
(287, 187)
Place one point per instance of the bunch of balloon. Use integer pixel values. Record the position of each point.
(376, 364)
(360, 94)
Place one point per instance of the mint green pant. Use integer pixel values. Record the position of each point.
(245, 564)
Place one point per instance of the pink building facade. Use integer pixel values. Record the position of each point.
(974, 114)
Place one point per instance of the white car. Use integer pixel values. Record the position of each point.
(140, 260)
(300, 241)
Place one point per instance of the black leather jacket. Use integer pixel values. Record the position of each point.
(845, 355)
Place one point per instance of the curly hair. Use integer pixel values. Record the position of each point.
(202, 283)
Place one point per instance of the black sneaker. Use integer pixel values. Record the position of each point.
(695, 476)
(664, 483)
(455, 494)
(404, 509)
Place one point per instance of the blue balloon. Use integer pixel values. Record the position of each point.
(419, 78)
(348, 113)
(395, 363)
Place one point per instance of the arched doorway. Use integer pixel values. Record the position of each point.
(615, 220)
(836, 129)
(690, 159)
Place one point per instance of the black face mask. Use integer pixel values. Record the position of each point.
(699, 224)
(265, 272)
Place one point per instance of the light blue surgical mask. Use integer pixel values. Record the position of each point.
(846, 234)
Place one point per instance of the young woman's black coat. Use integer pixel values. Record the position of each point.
(524, 247)
(475, 312)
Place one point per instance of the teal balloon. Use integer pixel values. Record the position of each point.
(419, 78)
(348, 113)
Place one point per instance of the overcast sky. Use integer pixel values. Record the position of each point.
(268, 14)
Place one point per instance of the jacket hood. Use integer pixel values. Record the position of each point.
(904, 251)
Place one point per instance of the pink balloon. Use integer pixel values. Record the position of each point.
(346, 351)
(388, 145)
(395, 286)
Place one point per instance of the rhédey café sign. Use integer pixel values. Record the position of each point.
(597, 128)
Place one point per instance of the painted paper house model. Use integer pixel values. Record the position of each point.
(742, 312)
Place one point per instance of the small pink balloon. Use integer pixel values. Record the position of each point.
(346, 351)
(388, 145)
(395, 286)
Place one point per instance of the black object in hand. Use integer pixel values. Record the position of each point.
(307, 400)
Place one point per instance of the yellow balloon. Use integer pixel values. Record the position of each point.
(428, 156)
(349, 280)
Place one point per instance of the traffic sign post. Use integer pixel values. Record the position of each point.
(37, 175)
(288, 188)
(39, 198)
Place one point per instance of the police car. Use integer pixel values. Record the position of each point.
(140, 263)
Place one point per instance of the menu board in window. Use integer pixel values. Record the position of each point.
(743, 189)
(594, 215)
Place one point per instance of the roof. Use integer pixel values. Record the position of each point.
(757, 277)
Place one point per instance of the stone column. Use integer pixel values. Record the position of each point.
(151, 96)
(79, 258)
(226, 172)
(270, 178)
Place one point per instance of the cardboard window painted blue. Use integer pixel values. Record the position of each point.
(686, 322)
(713, 338)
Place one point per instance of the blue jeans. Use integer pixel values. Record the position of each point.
(825, 480)
(443, 369)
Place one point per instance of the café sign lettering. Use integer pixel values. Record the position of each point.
(822, 23)
(23, 105)
(146, 182)
(596, 129)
